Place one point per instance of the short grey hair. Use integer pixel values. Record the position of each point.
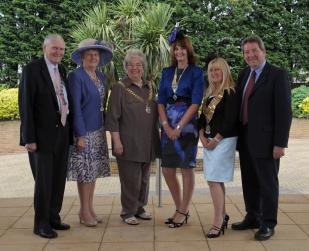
(253, 39)
(135, 53)
(52, 37)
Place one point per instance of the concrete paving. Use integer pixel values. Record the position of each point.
(16, 210)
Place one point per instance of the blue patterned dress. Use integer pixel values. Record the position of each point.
(182, 151)
(93, 162)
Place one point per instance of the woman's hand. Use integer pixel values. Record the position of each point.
(171, 133)
(211, 144)
(81, 144)
(203, 139)
(118, 147)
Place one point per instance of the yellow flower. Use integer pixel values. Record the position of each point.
(304, 106)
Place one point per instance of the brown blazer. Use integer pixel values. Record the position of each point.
(139, 130)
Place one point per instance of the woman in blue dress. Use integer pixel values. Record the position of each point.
(180, 95)
(89, 156)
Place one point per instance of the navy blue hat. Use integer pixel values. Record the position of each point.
(106, 53)
(176, 34)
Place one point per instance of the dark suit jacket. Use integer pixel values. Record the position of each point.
(38, 107)
(269, 110)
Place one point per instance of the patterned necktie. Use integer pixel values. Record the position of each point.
(247, 93)
(60, 94)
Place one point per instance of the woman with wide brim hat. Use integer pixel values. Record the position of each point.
(89, 156)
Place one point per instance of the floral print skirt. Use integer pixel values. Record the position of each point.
(91, 163)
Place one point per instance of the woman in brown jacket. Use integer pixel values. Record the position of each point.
(132, 120)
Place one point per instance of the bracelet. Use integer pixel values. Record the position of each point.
(163, 122)
(178, 127)
(216, 139)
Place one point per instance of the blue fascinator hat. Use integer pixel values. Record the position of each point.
(176, 34)
(106, 53)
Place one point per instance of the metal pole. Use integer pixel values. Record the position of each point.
(159, 182)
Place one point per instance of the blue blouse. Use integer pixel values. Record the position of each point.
(86, 102)
(190, 85)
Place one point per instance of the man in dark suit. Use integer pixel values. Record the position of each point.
(265, 121)
(45, 133)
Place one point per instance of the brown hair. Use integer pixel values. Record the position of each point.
(253, 39)
(183, 42)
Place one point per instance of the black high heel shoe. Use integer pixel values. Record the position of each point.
(226, 220)
(219, 230)
(170, 220)
(179, 224)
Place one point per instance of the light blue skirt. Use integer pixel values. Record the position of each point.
(219, 163)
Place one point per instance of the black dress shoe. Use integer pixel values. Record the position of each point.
(245, 224)
(60, 226)
(45, 232)
(264, 233)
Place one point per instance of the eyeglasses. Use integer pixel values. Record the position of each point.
(135, 65)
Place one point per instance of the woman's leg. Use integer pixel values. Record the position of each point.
(217, 195)
(173, 185)
(92, 187)
(224, 208)
(84, 190)
(188, 180)
(130, 175)
(144, 188)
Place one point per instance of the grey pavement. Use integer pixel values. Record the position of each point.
(16, 179)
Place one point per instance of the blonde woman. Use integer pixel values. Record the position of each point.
(218, 136)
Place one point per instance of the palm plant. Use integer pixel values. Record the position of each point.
(150, 37)
(130, 24)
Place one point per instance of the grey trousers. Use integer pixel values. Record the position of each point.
(134, 180)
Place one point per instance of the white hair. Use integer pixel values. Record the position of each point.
(135, 53)
(52, 37)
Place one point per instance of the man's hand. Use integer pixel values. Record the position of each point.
(278, 152)
(31, 147)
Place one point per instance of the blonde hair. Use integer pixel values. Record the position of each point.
(227, 80)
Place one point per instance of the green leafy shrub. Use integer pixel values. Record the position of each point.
(9, 104)
(298, 95)
(3, 87)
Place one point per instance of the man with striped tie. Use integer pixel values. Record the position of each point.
(45, 133)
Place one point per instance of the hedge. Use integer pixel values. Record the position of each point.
(299, 105)
(9, 104)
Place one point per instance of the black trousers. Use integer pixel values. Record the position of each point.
(260, 184)
(49, 170)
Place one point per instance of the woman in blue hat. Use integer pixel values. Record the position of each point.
(89, 157)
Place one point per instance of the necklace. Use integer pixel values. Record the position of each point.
(94, 77)
(176, 81)
(146, 101)
(209, 110)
